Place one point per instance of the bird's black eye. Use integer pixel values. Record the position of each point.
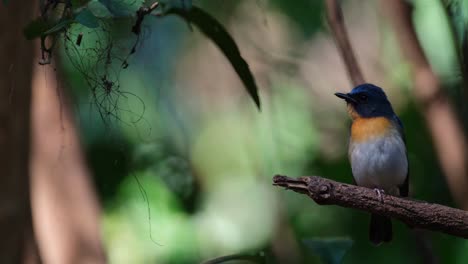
(363, 98)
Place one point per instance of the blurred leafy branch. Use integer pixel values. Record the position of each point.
(57, 17)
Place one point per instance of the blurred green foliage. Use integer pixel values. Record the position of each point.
(305, 13)
(191, 179)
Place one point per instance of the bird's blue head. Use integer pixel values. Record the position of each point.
(367, 100)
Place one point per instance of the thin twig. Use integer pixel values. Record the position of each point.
(416, 214)
(335, 20)
(140, 14)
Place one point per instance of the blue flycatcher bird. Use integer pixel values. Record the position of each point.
(377, 150)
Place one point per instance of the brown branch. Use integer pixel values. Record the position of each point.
(140, 14)
(417, 214)
(442, 121)
(336, 22)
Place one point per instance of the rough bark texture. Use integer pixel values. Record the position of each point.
(414, 213)
(16, 55)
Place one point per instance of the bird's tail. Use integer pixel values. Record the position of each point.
(380, 229)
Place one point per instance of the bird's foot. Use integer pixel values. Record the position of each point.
(379, 194)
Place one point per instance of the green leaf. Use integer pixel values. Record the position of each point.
(78, 3)
(39, 27)
(35, 28)
(87, 19)
(122, 8)
(98, 9)
(216, 32)
(186, 4)
(330, 250)
(61, 25)
(169, 4)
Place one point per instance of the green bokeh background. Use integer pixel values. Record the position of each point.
(191, 180)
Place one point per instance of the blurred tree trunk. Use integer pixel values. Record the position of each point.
(66, 211)
(441, 118)
(16, 55)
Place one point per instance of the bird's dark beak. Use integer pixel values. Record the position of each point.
(346, 97)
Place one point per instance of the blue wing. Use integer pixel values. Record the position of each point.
(400, 127)
(404, 188)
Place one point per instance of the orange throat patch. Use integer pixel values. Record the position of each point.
(352, 112)
(364, 129)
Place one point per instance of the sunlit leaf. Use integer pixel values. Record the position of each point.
(87, 19)
(216, 32)
(330, 250)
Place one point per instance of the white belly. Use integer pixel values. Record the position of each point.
(379, 163)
